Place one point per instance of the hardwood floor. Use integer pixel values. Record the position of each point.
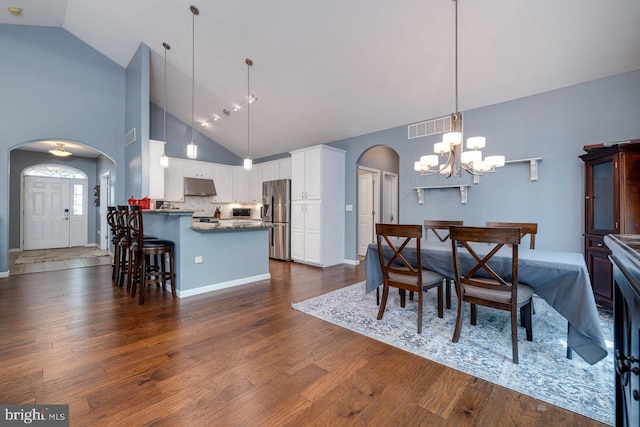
(236, 357)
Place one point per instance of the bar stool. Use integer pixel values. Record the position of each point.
(140, 251)
(115, 240)
(121, 258)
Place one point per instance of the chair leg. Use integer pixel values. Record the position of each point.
(448, 284)
(403, 297)
(569, 351)
(514, 335)
(420, 298)
(378, 295)
(528, 324)
(440, 302)
(474, 314)
(459, 316)
(172, 275)
(383, 303)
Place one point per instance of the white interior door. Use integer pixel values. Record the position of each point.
(390, 198)
(366, 211)
(46, 213)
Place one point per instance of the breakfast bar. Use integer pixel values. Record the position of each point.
(211, 256)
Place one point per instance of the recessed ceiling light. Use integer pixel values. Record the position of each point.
(14, 10)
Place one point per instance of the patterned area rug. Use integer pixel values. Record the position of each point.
(483, 350)
(62, 254)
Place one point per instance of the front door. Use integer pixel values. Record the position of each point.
(46, 213)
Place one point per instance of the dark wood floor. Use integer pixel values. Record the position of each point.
(237, 357)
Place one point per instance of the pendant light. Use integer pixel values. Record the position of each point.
(164, 160)
(248, 163)
(192, 149)
(59, 150)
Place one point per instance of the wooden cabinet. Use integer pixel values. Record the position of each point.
(317, 209)
(612, 206)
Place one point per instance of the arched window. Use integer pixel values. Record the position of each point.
(54, 171)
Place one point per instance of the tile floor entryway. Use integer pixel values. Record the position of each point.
(39, 267)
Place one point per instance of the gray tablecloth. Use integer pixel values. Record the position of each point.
(560, 278)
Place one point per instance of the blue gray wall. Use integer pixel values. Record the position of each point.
(553, 125)
(56, 86)
(137, 117)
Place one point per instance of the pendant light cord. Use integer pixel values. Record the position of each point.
(249, 63)
(456, 49)
(193, 65)
(164, 106)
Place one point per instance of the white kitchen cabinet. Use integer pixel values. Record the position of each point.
(254, 184)
(174, 181)
(239, 185)
(306, 173)
(156, 172)
(197, 169)
(270, 170)
(317, 214)
(285, 168)
(223, 180)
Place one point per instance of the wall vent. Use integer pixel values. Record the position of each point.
(431, 127)
(130, 137)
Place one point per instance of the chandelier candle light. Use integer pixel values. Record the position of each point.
(457, 158)
(164, 160)
(192, 149)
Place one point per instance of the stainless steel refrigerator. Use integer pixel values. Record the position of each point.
(276, 209)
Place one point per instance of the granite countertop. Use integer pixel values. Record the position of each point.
(230, 225)
(170, 211)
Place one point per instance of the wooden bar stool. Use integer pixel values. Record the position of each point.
(141, 269)
(115, 240)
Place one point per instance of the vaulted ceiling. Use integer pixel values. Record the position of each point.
(332, 69)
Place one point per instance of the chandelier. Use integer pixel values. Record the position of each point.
(451, 145)
(59, 150)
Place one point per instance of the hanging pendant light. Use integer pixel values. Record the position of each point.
(59, 150)
(164, 160)
(192, 148)
(457, 159)
(248, 163)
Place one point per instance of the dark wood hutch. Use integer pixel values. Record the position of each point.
(612, 206)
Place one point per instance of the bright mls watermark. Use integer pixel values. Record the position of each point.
(37, 415)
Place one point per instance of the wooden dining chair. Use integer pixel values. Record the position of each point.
(479, 284)
(400, 271)
(530, 228)
(440, 228)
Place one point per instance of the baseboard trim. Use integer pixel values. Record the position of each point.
(351, 261)
(4, 274)
(223, 285)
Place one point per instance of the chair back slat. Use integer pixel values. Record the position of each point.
(439, 228)
(526, 228)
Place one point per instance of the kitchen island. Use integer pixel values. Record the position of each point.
(211, 256)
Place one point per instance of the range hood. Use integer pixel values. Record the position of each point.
(199, 187)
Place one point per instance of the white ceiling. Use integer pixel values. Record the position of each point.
(332, 69)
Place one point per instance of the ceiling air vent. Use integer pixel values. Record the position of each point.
(130, 137)
(430, 127)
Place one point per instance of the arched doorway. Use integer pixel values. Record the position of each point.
(54, 207)
(378, 174)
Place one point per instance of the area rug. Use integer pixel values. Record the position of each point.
(483, 350)
(61, 254)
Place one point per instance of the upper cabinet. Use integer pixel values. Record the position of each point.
(197, 169)
(223, 180)
(156, 172)
(174, 181)
(306, 173)
(254, 183)
(239, 184)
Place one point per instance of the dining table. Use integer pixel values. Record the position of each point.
(560, 278)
